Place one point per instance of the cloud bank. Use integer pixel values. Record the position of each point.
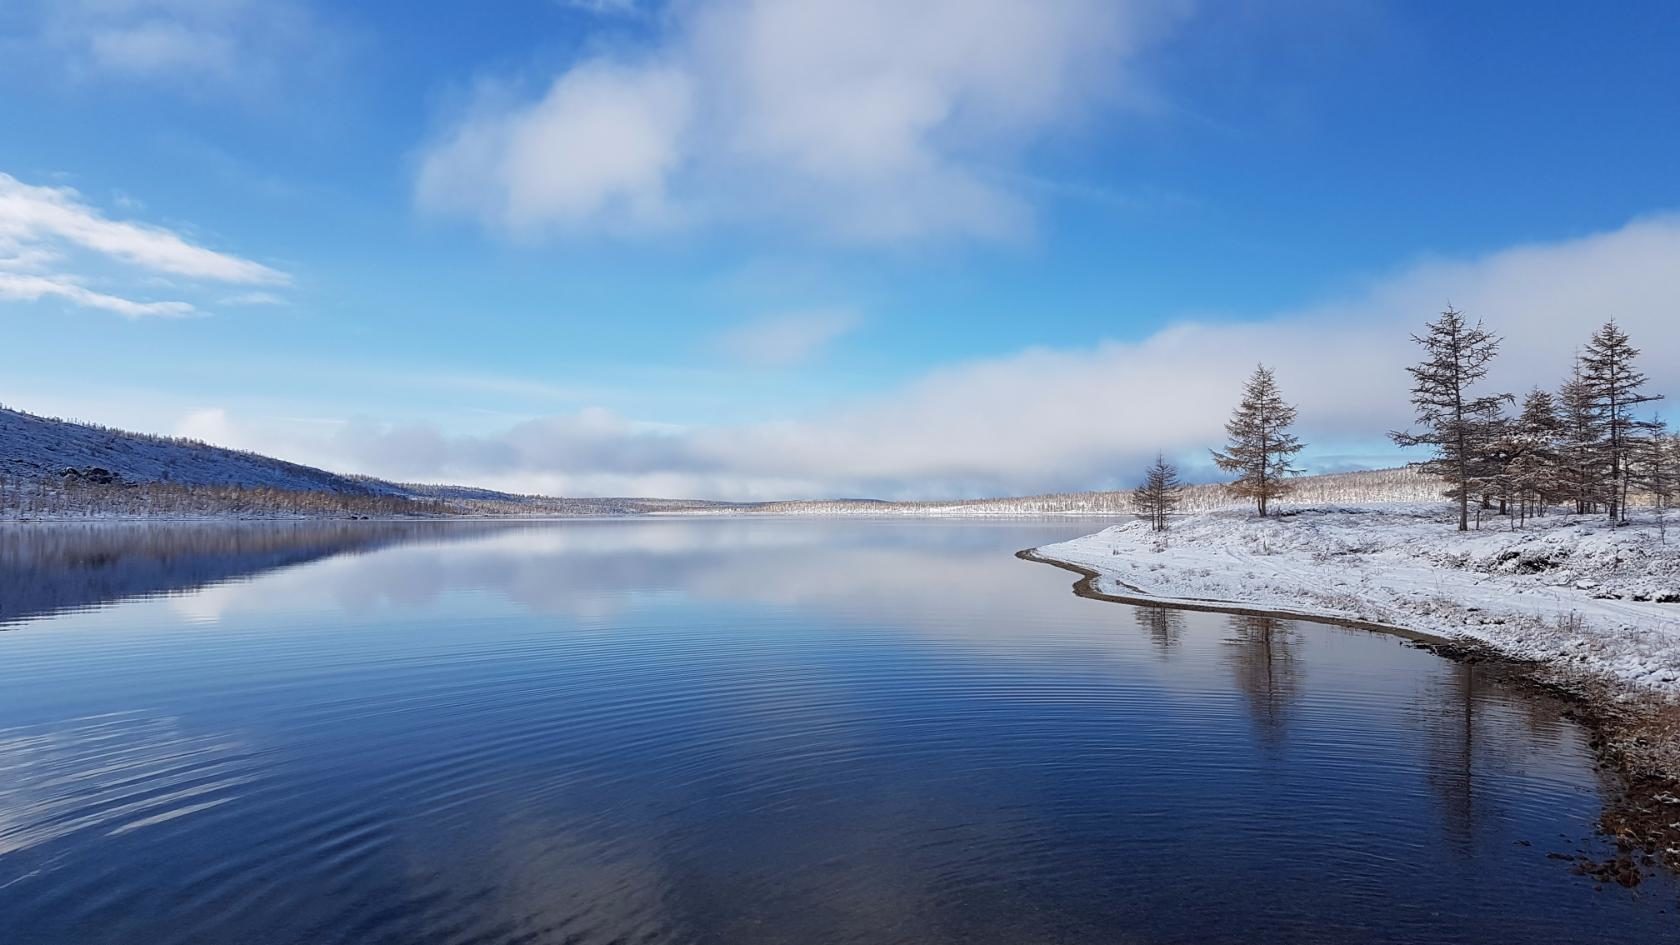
(859, 120)
(1049, 419)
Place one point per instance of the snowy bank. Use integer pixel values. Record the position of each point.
(1589, 599)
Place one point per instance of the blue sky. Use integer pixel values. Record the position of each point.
(744, 248)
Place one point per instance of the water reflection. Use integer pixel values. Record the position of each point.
(1464, 713)
(1163, 624)
(46, 569)
(752, 731)
(1262, 653)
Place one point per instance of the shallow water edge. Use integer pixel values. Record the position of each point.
(1635, 736)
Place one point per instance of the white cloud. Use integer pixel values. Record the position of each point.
(45, 230)
(597, 149)
(209, 425)
(1046, 420)
(161, 47)
(865, 120)
(32, 214)
(254, 298)
(603, 7)
(202, 47)
(788, 339)
(22, 287)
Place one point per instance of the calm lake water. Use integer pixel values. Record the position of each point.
(744, 731)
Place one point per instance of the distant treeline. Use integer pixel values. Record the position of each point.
(79, 497)
(97, 493)
(1382, 485)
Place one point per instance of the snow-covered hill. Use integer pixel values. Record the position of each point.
(35, 448)
(52, 468)
(1378, 485)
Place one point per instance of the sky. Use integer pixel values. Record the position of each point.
(751, 249)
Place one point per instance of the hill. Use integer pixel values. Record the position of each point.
(36, 448)
(51, 468)
(1345, 488)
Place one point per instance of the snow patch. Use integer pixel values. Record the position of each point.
(1570, 590)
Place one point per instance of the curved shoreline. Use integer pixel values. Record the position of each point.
(1638, 742)
(1087, 587)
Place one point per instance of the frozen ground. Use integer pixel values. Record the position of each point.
(33, 447)
(1590, 599)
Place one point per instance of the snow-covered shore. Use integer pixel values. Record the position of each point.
(1590, 600)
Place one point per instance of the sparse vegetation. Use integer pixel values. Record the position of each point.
(1158, 496)
(1261, 447)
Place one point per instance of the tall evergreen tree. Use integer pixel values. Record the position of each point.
(1580, 444)
(1659, 472)
(1497, 462)
(1458, 425)
(1615, 386)
(1261, 445)
(1534, 473)
(1654, 468)
(1159, 494)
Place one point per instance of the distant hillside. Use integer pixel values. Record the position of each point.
(36, 448)
(1381, 485)
(53, 468)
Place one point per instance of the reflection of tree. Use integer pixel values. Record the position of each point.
(1263, 655)
(1162, 623)
(1452, 748)
(1480, 730)
(1456, 712)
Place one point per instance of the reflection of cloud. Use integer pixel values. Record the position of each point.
(205, 605)
(588, 571)
(117, 773)
(776, 736)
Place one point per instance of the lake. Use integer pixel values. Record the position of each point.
(746, 731)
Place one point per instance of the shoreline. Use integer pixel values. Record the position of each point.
(1634, 733)
(1088, 586)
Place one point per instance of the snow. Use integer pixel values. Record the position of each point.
(1590, 599)
(33, 448)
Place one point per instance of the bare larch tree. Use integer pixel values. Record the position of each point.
(1159, 494)
(1261, 445)
(1613, 385)
(1457, 425)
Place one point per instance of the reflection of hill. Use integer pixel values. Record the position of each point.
(48, 569)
